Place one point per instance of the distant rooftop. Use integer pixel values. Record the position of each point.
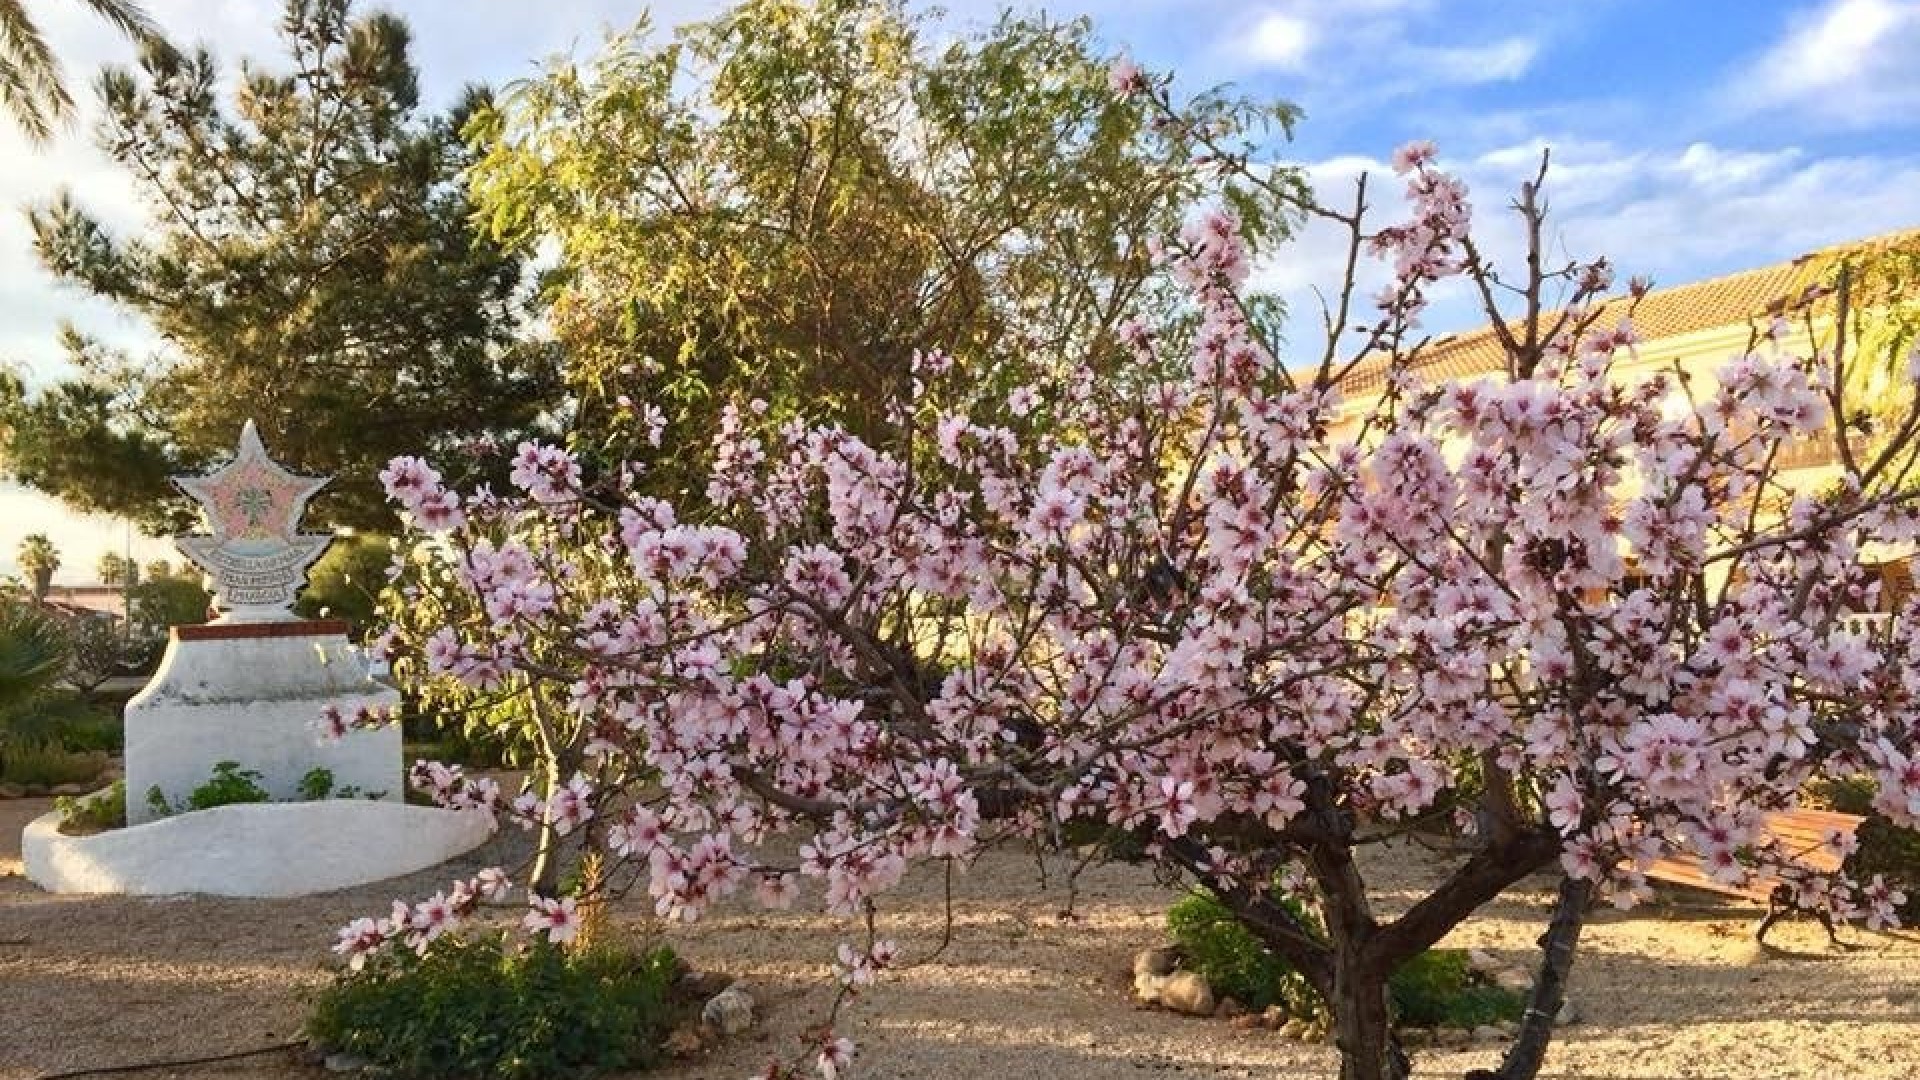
(1733, 300)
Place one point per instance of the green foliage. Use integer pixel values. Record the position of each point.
(475, 1007)
(157, 803)
(93, 813)
(316, 784)
(309, 262)
(33, 653)
(65, 719)
(1233, 961)
(115, 569)
(229, 784)
(48, 764)
(39, 558)
(346, 582)
(1436, 988)
(1439, 988)
(481, 734)
(33, 90)
(1886, 849)
(790, 200)
(162, 602)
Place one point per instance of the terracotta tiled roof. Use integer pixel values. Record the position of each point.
(1733, 300)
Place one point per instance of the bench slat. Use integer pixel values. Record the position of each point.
(1800, 835)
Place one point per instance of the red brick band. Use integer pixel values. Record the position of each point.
(228, 631)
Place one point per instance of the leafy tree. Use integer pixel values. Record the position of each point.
(31, 87)
(792, 200)
(160, 568)
(163, 601)
(1874, 285)
(310, 265)
(116, 569)
(346, 582)
(39, 558)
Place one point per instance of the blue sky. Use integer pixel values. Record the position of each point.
(1690, 137)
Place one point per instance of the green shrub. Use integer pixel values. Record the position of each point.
(1233, 961)
(93, 813)
(1439, 988)
(230, 784)
(62, 718)
(48, 764)
(475, 1007)
(1436, 988)
(1885, 848)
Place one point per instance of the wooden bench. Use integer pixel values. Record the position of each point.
(1801, 836)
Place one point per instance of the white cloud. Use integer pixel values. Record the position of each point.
(1676, 215)
(1372, 51)
(1498, 61)
(1849, 63)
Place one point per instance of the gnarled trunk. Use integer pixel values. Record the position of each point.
(1362, 1024)
(1529, 1049)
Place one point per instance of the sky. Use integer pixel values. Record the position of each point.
(1689, 138)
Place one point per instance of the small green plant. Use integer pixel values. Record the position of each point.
(1437, 988)
(318, 784)
(478, 1007)
(230, 784)
(93, 813)
(157, 803)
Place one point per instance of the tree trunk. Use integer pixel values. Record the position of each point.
(1529, 1049)
(1362, 1025)
(546, 851)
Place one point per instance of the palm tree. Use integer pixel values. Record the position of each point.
(33, 654)
(38, 557)
(31, 86)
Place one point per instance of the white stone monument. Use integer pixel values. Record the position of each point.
(250, 687)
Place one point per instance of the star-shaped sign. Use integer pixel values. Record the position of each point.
(257, 556)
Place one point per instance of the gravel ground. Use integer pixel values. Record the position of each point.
(1677, 990)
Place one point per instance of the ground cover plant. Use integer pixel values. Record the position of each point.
(1252, 608)
(488, 1005)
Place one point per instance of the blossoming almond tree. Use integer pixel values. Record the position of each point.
(1214, 604)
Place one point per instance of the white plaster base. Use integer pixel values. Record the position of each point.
(253, 849)
(257, 701)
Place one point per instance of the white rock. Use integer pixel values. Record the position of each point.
(1146, 988)
(1488, 1033)
(729, 1012)
(345, 1062)
(1187, 992)
(1161, 960)
(1482, 960)
(1569, 1013)
(1514, 979)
